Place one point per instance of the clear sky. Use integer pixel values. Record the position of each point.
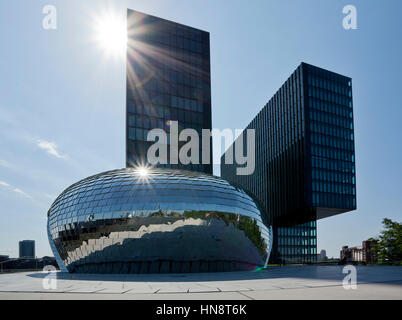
(62, 99)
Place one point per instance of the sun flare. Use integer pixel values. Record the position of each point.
(111, 33)
(142, 171)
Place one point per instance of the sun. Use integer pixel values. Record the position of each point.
(110, 30)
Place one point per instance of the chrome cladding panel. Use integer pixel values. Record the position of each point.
(161, 220)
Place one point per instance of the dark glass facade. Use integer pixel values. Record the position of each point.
(305, 160)
(27, 249)
(168, 79)
(297, 244)
(331, 142)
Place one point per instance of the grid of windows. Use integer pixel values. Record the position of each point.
(168, 79)
(305, 160)
(332, 140)
(297, 244)
(277, 181)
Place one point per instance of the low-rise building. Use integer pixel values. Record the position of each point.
(363, 253)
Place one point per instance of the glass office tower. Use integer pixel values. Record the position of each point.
(305, 160)
(27, 249)
(168, 79)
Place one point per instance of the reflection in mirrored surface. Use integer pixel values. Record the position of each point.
(123, 221)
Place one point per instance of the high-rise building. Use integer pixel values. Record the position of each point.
(27, 249)
(305, 159)
(168, 80)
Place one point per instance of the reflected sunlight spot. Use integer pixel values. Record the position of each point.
(143, 172)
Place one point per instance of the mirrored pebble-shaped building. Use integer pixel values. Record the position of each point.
(157, 221)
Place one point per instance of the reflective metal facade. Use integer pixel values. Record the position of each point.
(168, 220)
(305, 159)
(168, 79)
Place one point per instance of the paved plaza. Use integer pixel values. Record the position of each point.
(289, 282)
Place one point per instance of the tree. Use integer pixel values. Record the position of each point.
(388, 246)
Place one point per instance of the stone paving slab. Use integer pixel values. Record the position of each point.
(365, 291)
(272, 282)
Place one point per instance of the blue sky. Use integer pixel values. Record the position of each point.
(62, 101)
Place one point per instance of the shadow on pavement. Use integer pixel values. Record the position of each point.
(365, 274)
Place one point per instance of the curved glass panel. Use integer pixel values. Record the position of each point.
(165, 221)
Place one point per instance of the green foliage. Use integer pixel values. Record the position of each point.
(388, 246)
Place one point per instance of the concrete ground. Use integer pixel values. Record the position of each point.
(290, 282)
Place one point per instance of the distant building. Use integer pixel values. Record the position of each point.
(46, 261)
(322, 255)
(363, 253)
(27, 249)
(27, 264)
(4, 258)
(368, 251)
